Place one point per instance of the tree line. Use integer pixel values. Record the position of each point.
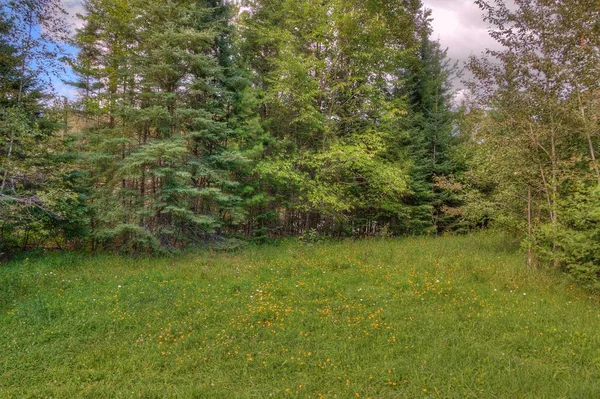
(200, 122)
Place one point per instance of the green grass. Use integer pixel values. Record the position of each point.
(456, 317)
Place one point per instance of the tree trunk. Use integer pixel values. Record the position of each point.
(588, 136)
(554, 216)
(530, 260)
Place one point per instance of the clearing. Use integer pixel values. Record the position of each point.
(454, 317)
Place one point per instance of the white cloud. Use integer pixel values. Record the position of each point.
(63, 90)
(460, 27)
(74, 7)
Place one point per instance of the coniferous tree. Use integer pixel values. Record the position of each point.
(163, 158)
(34, 197)
(431, 123)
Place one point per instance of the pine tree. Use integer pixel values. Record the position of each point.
(431, 122)
(35, 199)
(162, 160)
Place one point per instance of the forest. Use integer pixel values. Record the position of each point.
(207, 123)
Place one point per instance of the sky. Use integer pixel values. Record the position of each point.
(73, 7)
(458, 24)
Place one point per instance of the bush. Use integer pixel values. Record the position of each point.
(129, 239)
(575, 241)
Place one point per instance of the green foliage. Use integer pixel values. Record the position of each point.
(128, 239)
(534, 130)
(326, 71)
(575, 242)
(166, 128)
(330, 117)
(36, 200)
(199, 123)
(434, 207)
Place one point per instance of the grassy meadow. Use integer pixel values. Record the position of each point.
(455, 317)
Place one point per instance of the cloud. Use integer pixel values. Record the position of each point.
(74, 7)
(63, 90)
(460, 27)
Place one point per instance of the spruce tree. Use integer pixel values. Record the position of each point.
(433, 203)
(162, 159)
(35, 199)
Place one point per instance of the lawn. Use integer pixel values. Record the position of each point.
(454, 317)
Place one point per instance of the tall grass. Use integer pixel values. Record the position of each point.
(456, 317)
